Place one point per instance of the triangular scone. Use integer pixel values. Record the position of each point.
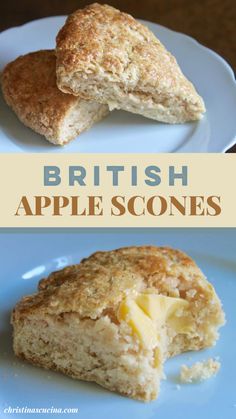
(29, 88)
(107, 56)
(114, 318)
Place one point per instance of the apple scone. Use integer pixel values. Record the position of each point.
(107, 56)
(117, 316)
(29, 88)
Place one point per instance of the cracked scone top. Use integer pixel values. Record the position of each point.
(101, 281)
(108, 56)
(99, 320)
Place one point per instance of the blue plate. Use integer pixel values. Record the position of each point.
(25, 258)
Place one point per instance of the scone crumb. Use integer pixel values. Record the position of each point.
(199, 371)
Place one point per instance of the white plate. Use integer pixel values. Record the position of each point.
(27, 257)
(123, 132)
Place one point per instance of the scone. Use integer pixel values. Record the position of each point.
(107, 56)
(115, 318)
(29, 88)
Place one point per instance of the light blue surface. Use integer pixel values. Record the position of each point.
(27, 257)
(123, 132)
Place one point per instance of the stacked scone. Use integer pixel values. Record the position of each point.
(104, 60)
(117, 316)
(29, 87)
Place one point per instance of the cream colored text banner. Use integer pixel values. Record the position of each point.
(118, 190)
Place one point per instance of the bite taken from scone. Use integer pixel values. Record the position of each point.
(107, 56)
(117, 316)
(29, 88)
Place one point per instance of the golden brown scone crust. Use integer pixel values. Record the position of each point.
(100, 39)
(100, 282)
(29, 87)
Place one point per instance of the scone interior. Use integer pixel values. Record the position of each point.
(29, 88)
(107, 56)
(117, 316)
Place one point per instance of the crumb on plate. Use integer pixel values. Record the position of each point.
(199, 371)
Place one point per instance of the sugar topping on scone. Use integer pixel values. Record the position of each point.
(29, 88)
(107, 56)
